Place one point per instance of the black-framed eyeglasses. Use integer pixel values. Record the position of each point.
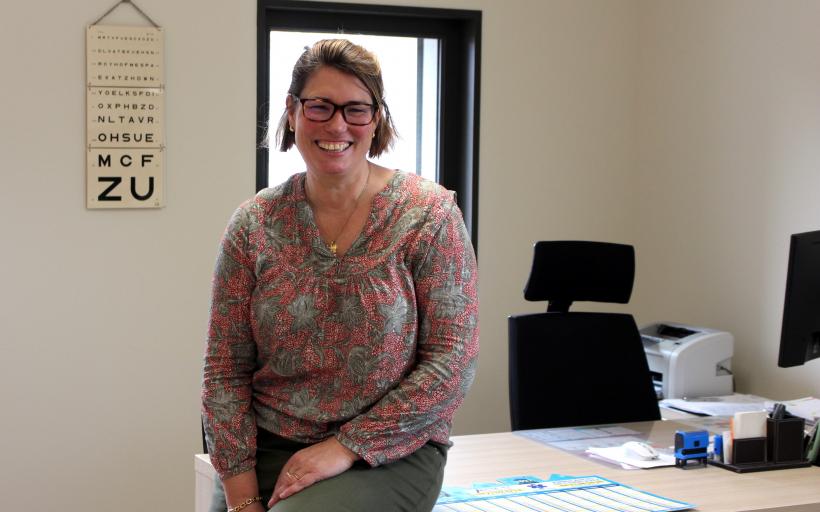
(320, 110)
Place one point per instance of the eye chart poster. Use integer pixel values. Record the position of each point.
(125, 106)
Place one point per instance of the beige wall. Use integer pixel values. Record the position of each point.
(687, 128)
(557, 154)
(103, 313)
(728, 167)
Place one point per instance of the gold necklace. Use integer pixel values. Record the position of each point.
(332, 245)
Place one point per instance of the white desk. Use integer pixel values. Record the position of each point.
(485, 457)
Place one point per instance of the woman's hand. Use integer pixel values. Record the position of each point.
(310, 465)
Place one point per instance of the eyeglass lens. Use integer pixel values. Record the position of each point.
(353, 113)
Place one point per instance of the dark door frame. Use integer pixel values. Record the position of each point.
(460, 34)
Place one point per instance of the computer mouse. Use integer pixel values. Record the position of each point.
(639, 450)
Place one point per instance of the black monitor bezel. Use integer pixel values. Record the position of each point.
(801, 304)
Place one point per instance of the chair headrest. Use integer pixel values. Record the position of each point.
(570, 270)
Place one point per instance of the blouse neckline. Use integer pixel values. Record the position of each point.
(377, 211)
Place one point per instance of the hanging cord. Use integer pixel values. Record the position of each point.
(132, 5)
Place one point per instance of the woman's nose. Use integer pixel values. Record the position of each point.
(337, 121)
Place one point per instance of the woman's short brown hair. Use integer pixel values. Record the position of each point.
(349, 58)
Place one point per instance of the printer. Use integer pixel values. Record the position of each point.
(687, 361)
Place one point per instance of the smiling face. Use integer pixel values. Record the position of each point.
(332, 147)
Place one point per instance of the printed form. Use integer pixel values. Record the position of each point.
(558, 494)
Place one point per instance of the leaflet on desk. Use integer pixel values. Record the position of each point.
(582, 491)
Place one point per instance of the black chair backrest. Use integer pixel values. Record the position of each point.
(572, 270)
(568, 368)
(578, 369)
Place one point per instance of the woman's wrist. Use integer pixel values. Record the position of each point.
(241, 491)
(350, 454)
(243, 505)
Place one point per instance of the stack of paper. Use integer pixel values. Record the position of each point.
(717, 405)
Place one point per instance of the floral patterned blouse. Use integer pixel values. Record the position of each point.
(376, 347)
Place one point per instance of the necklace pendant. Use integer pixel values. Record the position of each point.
(333, 247)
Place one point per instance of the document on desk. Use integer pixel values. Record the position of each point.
(551, 436)
(807, 408)
(618, 455)
(716, 405)
(714, 424)
(577, 440)
(559, 493)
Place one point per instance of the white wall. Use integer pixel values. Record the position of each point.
(729, 167)
(588, 108)
(556, 157)
(103, 313)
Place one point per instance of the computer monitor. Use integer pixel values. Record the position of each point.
(800, 335)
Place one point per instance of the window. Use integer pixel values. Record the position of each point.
(437, 80)
(410, 71)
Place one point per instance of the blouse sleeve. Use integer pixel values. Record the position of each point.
(230, 428)
(421, 407)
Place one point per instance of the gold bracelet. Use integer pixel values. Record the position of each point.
(249, 501)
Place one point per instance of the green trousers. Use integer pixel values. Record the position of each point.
(411, 484)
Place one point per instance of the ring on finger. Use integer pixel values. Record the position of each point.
(293, 475)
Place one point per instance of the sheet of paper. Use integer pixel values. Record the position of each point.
(580, 445)
(748, 424)
(576, 440)
(619, 455)
(586, 493)
(554, 435)
(717, 405)
(807, 408)
(714, 424)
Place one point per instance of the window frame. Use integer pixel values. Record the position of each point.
(460, 34)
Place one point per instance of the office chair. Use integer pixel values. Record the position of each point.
(581, 368)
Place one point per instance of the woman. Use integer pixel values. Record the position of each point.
(344, 320)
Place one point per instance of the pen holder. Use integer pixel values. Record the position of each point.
(782, 448)
(751, 450)
(784, 439)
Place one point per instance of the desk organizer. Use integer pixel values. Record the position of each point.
(782, 448)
